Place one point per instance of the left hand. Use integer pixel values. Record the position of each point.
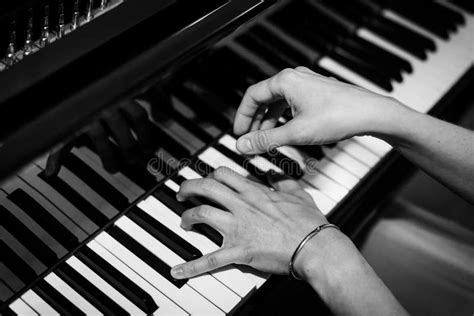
(261, 227)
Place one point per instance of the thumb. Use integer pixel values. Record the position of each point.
(282, 182)
(264, 140)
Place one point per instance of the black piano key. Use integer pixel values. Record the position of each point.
(313, 39)
(75, 199)
(16, 264)
(90, 292)
(239, 64)
(6, 311)
(169, 144)
(177, 244)
(467, 5)
(137, 172)
(32, 242)
(5, 293)
(55, 299)
(217, 87)
(243, 162)
(420, 14)
(117, 280)
(361, 67)
(96, 182)
(374, 51)
(44, 218)
(412, 42)
(258, 47)
(283, 49)
(168, 197)
(196, 102)
(10, 279)
(144, 254)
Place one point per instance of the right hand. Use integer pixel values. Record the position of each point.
(324, 111)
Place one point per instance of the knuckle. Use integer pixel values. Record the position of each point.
(202, 211)
(247, 256)
(212, 261)
(192, 270)
(286, 77)
(221, 172)
(208, 185)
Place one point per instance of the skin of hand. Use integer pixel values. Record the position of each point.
(324, 111)
(261, 227)
(118, 124)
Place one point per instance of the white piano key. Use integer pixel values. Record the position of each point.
(314, 177)
(346, 161)
(38, 304)
(115, 180)
(359, 152)
(17, 183)
(205, 284)
(231, 277)
(69, 293)
(165, 305)
(185, 297)
(21, 308)
(215, 159)
(103, 286)
(189, 173)
(377, 146)
(30, 176)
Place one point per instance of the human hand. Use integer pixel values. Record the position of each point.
(324, 111)
(261, 227)
(118, 124)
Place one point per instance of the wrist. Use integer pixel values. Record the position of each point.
(325, 259)
(391, 121)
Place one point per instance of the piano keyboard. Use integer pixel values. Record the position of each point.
(100, 243)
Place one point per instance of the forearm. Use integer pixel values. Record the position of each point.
(340, 275)
(443, 150)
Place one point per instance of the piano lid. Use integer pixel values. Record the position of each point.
(52, 93)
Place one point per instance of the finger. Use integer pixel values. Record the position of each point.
(120, 131)
(283, 183)
(211, 189)
(261, 93)
(273, 114)
(306, 70)
(105, 149)
(264, 140)
(232, 179)
(206, 214)
(206, 263)
(138, 119)
(53, 164)
(257, 119)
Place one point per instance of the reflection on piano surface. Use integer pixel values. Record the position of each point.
(94, 228)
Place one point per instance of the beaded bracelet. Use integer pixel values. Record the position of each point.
(302, 244)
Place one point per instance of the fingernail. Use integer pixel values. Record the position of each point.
(244, 145)
(179, 198)
(177, 272)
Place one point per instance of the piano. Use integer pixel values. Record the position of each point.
(132, 97)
